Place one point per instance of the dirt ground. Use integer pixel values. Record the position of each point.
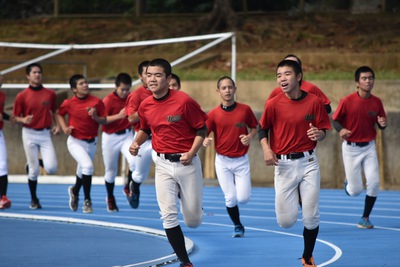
(335, 35)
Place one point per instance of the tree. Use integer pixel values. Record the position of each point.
(221, 18)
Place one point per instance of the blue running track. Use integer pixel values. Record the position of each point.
(56, 236)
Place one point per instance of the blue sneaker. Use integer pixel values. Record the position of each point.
(345, 187)
(239, 231)
(365, 223)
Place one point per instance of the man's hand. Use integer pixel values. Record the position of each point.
(56, 130)
(134, 149)
(186, 159)
(382, 121)
(27, 120)
(207, 141)
(270, 158)
(315, 134)
(344, 133)
(245, 139)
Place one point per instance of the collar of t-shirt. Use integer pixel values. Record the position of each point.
(229, 108)
(36, 88)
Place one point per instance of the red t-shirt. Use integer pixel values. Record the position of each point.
(2, 104)
(359, 115)
(133, 102)
(307, 87)
(39, 103)
(113, 105)
(173, 121)
(228, 126)
(288, 121)
(84, 126)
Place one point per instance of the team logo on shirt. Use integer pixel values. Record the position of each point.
(310, 117)
(240, 124)
(45, 103)
(175, 118)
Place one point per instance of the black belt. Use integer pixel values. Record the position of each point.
(40, 129)
(296, 155)
(170, 157)
(122, 132)
(360, 144)
(91, 140)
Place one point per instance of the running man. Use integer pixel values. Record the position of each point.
(35, 107)
(143, 161)
(116, 136)
(290, 127)
(355, 119)
(230, 122)
(178, 127)
(85, 112)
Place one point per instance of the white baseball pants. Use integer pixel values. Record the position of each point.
(83, 153)
(173, 178)
(292, 176)
(234, 178)
(35, 142)
(112, 145)
(355, 160)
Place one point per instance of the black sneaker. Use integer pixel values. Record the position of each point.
(111, 204)
(73, 200)
(133, 198)
(35, 204)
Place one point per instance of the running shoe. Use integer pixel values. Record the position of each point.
(133, 198)
(35, 204)
(309, 263)
(73, 200)
(87, 206)
(365, 223)
(111, 204)
(5, 203)
(239, 231)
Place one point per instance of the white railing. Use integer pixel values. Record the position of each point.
(62, 48)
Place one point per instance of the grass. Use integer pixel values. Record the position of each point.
(199, 74)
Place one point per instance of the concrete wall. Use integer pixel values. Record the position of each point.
(253, 93)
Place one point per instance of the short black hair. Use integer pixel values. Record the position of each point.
(74, 79)
(363, 69)
(30, 66)
(176, 77)
(223, 78)
(123, 78)
(296, 57)
(163, 63)
(291, 63)
(142, 66)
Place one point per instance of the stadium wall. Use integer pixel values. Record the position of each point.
(253, 93)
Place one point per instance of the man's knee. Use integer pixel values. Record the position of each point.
(286, 221)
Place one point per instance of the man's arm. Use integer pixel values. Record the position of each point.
(270, 158)
(186, 158)
(141, 137)
(134, 118)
